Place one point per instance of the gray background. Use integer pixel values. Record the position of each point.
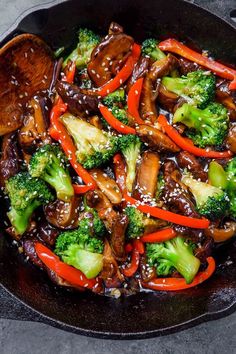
(18, 337)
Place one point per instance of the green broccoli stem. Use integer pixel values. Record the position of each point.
(131, 156)
(20, 219)
(130, 146)
(131, 168)
(151, 49)
(180, 255)
(78, 59)
(217, 175)
(87, 262)
(59, 179)
(190, 116)
(200, 190)
(231, 185)
(174, 84)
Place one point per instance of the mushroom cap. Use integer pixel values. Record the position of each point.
(26, 67)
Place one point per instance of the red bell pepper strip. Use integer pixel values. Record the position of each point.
(137, 249)
(114, 122)
(133, 100)
(174, 46)
(174, 284)
(159, 236)
(232, 85)
(59, 133)
(123, 74)
(81, 189)
(72, 275)
(70, 75)
(133, 267)
(184, 143)
(168, 215)
(128, 247)
(120, 174)
(139, 246)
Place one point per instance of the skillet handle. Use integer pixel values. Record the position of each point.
(224, 9)
(13, 309)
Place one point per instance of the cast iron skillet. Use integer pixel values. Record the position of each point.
(145, 314)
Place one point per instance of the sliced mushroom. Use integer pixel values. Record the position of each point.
(147, 272)
(108, 57)
(26, 67)
(56, 74)
(10, 161)
(140, 69)
(152, 225)
(36, 121)
(115, 28)
(46, 232)
(148, 108)
(175, 195)
(225, 96)
(118, 237)
(78, 102)
(97, 200)
(162, 67)
(231, 138)
(107, 185)
(147, 174)
(30, 252)
(157, 140)
(186, 66)
(222, 234)
(205, 250)
(190, 162)
(63, 215)
(167, 99)
(110, 273)
(150, 88)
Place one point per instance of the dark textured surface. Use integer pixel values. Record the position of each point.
(18, 312)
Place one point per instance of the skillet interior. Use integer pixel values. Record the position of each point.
(144, 314)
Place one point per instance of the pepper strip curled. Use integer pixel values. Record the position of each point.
(174, 284)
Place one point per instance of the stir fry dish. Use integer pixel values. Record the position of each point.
(117, 166)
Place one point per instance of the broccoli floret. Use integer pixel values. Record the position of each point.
(136, 219)
(113, 101)
(197, 87)
(212, 202)
(26, 194)
(79, 249)
(225, 179)
(231, 185)
(160, 186)
(88, 40)
(216, 175)
(120, 114)
(83, 79)
(48, 163)
(150, 49)
(78, 236)
(130, 146)
(173, 254)
(115, 98)
(92, 224)
(206, 127)
(139, 223)
(94, 146)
